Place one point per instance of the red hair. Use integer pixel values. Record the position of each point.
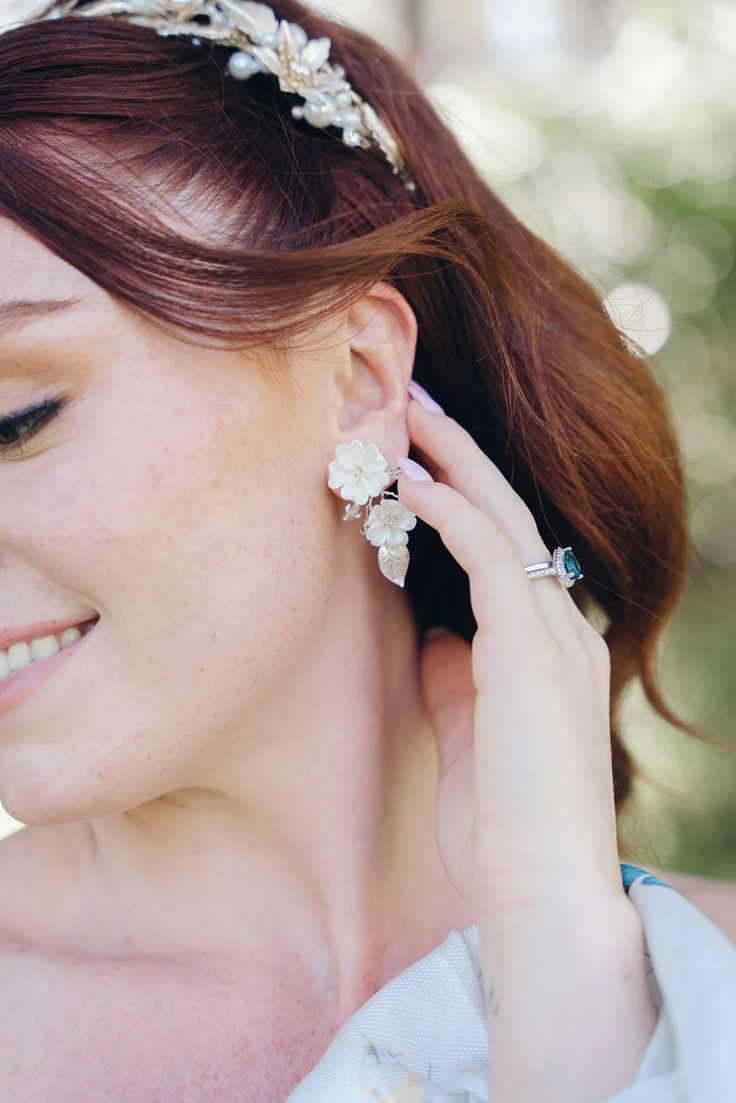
(512, 341)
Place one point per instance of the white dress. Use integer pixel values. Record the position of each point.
(422, 1037)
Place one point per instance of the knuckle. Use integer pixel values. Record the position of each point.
(531, 523)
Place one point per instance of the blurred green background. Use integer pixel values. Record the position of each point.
(609, 128)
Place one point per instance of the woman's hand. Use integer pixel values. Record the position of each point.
(525, 803)
(525, 815)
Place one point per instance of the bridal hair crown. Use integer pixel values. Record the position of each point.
(263, 44)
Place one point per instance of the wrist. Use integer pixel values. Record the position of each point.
(576, 917)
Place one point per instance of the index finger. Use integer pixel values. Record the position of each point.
(459, 461)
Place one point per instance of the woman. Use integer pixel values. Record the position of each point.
(233, 273)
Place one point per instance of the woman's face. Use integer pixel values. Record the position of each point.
(181, 496)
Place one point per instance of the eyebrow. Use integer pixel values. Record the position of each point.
(16, 312)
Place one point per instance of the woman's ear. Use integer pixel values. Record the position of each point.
(381, 330)
(384, 306)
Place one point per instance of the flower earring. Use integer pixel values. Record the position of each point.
(361, 473)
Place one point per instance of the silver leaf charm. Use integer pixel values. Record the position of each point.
(394, 562)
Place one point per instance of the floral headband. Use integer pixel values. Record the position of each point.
(263, 44)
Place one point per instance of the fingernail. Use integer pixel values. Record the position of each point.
(436, 630)
(424, 398)
(413, 471)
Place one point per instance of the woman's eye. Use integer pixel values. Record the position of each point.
(20, 427)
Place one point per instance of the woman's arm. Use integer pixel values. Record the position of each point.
(568, 1011)
(522, 719)
(713, 896)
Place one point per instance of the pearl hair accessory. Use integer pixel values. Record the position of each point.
(360, 473)
(263, 44)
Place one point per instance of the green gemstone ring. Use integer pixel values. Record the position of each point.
(564, 566)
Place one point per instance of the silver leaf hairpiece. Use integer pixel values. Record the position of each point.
(263, 44)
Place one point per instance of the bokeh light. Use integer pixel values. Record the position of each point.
(641, 313)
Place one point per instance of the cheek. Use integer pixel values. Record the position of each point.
(209, 564)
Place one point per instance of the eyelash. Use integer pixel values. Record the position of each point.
(24, 425)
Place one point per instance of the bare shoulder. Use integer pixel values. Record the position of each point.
(71, 1018)
(714, 896)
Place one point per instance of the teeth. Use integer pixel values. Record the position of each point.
(21, 654)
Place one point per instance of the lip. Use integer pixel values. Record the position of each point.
(21, 683)
(20, 632)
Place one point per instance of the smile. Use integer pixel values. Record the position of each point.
(33, 671)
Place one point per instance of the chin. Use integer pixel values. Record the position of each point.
(40, 797)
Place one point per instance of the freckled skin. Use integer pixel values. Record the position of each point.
(236, 768)
(179, 1033)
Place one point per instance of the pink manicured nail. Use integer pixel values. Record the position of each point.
(424, 398)
(413, 470)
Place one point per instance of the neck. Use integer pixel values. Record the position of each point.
(313, 831)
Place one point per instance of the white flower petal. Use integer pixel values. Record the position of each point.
(255, 19)
(401, 516)
(357, 452)
(355, 489)
(371, 453)
(382, 512)
(379, 533)
(346, 453)
(315, 52)
(375, 482)
(269, 58)
(290, 42)
(379, 467)
(338, 465)
(376, 534)
(339, 474)
(374, 458)
(297, 34)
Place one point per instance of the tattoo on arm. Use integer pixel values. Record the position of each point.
(492, 1005)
